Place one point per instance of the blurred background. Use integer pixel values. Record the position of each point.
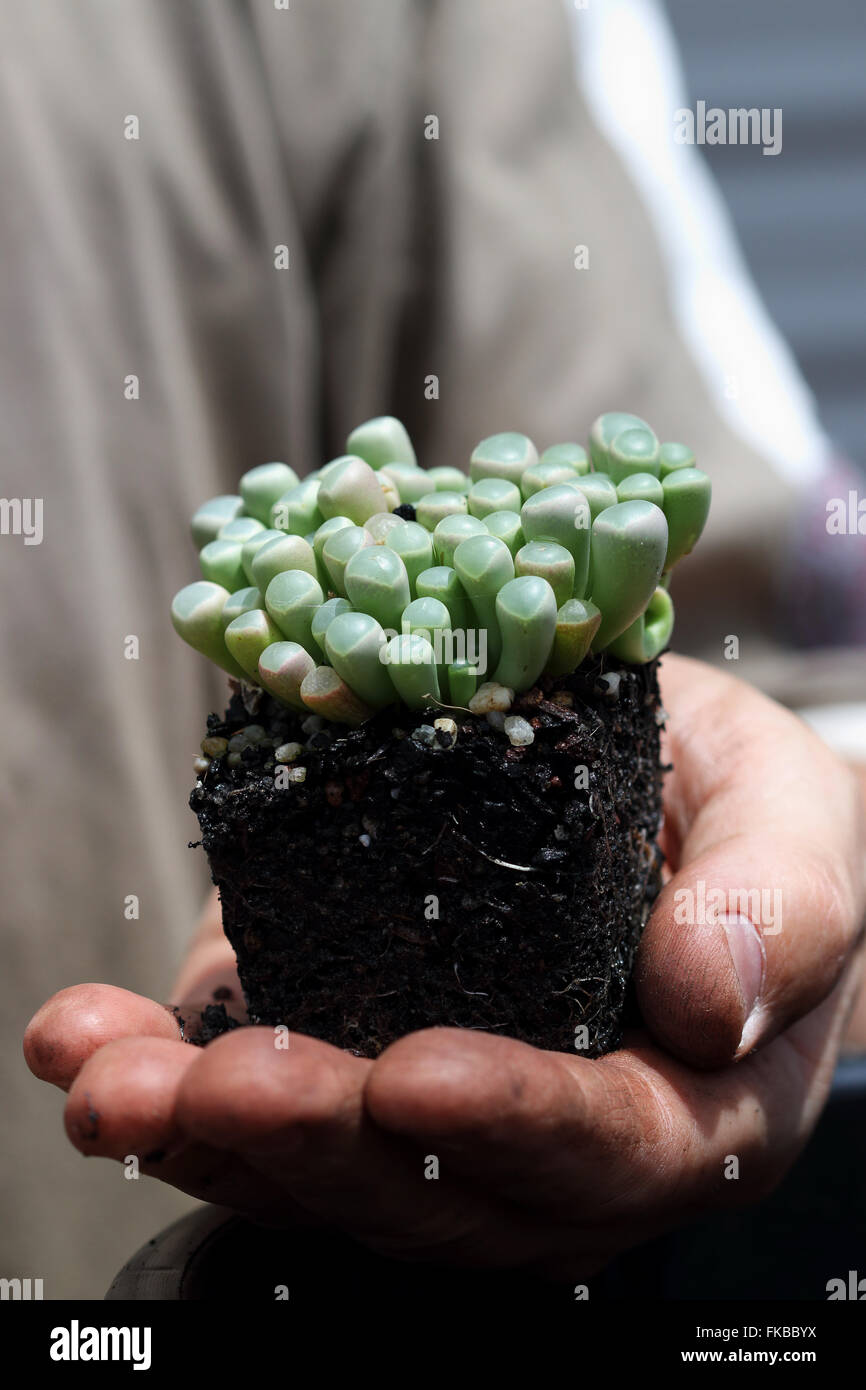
(799, 218)
(725, 300)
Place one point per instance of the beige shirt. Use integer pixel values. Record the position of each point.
(154, 258)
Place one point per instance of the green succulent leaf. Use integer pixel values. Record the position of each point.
(649, 634)
(381, 524)
(506, 455)
(552, 562)
(196, 614)
(573, 455)
(577, 622)
(352, 489)
(280, 554)
(483, 565)
(431, 618)
(448, 479)
(338, 551)
(491, 495)
(688, 492)
(414, 544)
(320, 536)
(377, 583)
(261, 487)
(297, 510)
(212, 516)
(221, 563)
(252, 547)
(242, 529)
(562, 514)
(326, 694)
(549, 473)
(641, 487)
(283, 667)
(433, 506)
(411, 482)
(411, 664)
(443, 582)
(603, 432)
(462, 683)
(599, 491)
(292, 599)
(673, 456)
(425, 615)
(247, 636)
(506, 526)
(380, 441)
(629, 544)
(633, 451)
(241, 601)
(526, 615)
(354, 644)
(325, 615)
(451, 530)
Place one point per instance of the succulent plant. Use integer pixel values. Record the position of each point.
(333, 600)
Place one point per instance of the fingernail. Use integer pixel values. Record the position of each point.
(746, 946)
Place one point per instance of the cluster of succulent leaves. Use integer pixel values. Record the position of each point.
(550, 557)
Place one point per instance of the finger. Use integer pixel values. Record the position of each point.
(209, 969)
(767, 902)
(252, 1091)
(298, 1115)
(541, 1126)
(122, 1100)
(621, 1143)
(121, 1106)
(75, 1023)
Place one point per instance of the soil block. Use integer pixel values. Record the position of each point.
(465, 882)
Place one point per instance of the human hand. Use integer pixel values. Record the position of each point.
(546, 1160)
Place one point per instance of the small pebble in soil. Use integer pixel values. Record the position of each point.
(214, 747)
(365, 840)
(288, 752)
(234, 760)
(254, 733)
(425, 733)
(237, 744)
(446, 732)
(520, 733)
(491, 696)
(297, 774)
(611, 681)
(496, 720)
(200, 765)
(312, 724)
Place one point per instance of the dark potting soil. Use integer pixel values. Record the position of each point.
(202, 1027)
(468, 883)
